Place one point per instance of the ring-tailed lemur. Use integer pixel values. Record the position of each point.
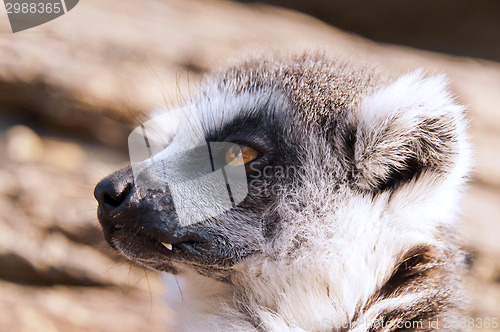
(354, 181)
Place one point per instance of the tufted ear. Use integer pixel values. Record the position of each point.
(411, 126)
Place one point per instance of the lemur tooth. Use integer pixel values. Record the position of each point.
(167, 245)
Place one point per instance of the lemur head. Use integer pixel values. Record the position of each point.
(351, 176)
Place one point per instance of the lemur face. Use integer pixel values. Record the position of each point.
(143, 223)
(352, 182)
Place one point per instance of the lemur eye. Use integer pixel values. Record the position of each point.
(240, 154)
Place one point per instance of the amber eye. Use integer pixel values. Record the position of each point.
(238, 155)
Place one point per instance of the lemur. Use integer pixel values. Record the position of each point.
(360, 236)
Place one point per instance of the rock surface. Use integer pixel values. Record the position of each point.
(88, 75)
(57, 273)
(459, 27)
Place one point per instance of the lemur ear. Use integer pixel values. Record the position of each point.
(412, 125)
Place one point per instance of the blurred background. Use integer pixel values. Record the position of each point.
(72, 89)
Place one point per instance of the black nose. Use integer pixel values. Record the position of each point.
(113, 192)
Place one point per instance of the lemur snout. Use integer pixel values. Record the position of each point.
(114, 195)
(146, 220)
(111, 193)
